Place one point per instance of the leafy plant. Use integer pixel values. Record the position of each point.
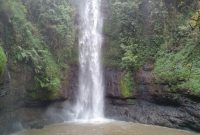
(127, 85)
(195, 20)
(3, 60)
(28, 47)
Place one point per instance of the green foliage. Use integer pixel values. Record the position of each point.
(130, 59)
(48, 76)
(28, 47)
(135, 39)
(112, 55)
(178, 61)
(126, 85)
(55, 18)
(195, 20)
(3, 60)
(141, 31)
(41, 34)
(114, 28)
(170, 68)
(16, 9)
(192, 86)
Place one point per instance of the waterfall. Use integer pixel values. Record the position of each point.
(90, 100)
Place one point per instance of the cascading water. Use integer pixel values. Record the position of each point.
(90, 100)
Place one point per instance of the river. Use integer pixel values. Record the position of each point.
(105, 128)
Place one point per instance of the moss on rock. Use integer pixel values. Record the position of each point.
(126, 85)
(3, 60)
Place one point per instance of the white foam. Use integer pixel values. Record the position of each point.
(91, 121)
(90, 97)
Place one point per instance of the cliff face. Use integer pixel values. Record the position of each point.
(42, 69)
(41, 61)
(146, 41)
(147, 104)
(151, 104)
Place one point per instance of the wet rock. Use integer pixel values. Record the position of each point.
(112, 82)
(184, 116)
(36, 125)
(148, 67)
(72, 87)
(153, 104)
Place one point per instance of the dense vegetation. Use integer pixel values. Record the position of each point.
(25, 39)
(3, 60)
(163, 32)
(41, 35)
(126, 85)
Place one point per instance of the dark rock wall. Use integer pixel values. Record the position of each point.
(153, 104)
(112, 82)
(150, 106)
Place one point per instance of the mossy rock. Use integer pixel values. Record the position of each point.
(3, 60)
(127, 85)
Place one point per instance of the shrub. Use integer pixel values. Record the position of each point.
(127, 85)
(3, 60)
(28, 47)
